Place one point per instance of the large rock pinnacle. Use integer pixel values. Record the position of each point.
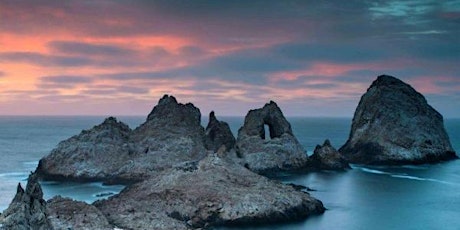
(280, 152)
(393, 124)
(28, 208)
(218, 133)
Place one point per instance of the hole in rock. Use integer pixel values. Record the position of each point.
(267, 135)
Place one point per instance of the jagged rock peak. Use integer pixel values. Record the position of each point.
(111, 123)
(28, 208)
(328, 158)
(170, 111)
(218, 134)
(394, 124)
(33, 188)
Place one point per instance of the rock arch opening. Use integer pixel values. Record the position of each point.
(267, 134)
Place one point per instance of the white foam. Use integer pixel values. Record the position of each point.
(422, 179)
(374, 171)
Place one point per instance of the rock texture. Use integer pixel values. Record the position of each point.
(96, 154)
(393, 124)
(328, 158)
(112, 152)
(278, 152)
(28, 208)
(218, 133)
(65, 213)
(213, 191)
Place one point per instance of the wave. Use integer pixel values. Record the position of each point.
(14, 174)
(374, 171)
(422, 179)
(403, 176)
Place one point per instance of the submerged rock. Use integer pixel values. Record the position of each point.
(112, 152)
(65, 213)
(278, 151)
(215, 191)
(218, 133)
(328, 158)
(28, 208)
(394, 124)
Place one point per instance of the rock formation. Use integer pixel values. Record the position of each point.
(213, 191)
(281, 151)
(98, 153)
(112, 152)
(65, 213)
(328, 158)
(174, 181)
(393, 124)
(28, 208)
(218, 133)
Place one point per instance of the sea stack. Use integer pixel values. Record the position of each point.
(394, 124)
(326, 157)
(268, 153)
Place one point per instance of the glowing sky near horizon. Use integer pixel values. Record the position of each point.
(314, 58)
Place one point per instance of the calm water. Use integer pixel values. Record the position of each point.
(405, 197)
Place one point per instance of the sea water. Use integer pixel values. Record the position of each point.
(377, 197)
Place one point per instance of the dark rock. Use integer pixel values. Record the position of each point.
(218, 133)
(328, 158)
(96, 154)
(218, 192)
(112, 152)
(281, 152)
(28, 208)
(393, 124)
(65, 213)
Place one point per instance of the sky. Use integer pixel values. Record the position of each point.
(314, 58)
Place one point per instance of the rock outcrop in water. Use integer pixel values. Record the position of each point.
(28, 208)
(393, 124)
(265, 153)
(180, 176)
(112, 152)
(213, 191)
(328, 158)
(218, 133)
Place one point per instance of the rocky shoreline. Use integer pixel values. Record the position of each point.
(180, 175)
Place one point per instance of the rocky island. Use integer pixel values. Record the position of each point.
(394, 124)
(178, 174)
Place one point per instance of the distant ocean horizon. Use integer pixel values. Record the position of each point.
(377, 197)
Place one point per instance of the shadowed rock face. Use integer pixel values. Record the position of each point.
(327, 157)
(65, 213)
(393, 124)
(261, 154)
(218, 133)
(28, 208)
(112, 152)
(213, 191)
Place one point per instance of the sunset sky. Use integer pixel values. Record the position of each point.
(314, 58)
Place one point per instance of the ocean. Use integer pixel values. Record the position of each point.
(366, 197)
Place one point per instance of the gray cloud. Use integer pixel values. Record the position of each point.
(66, 79)
(80, 48)
(342, 53)
(44, 60)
